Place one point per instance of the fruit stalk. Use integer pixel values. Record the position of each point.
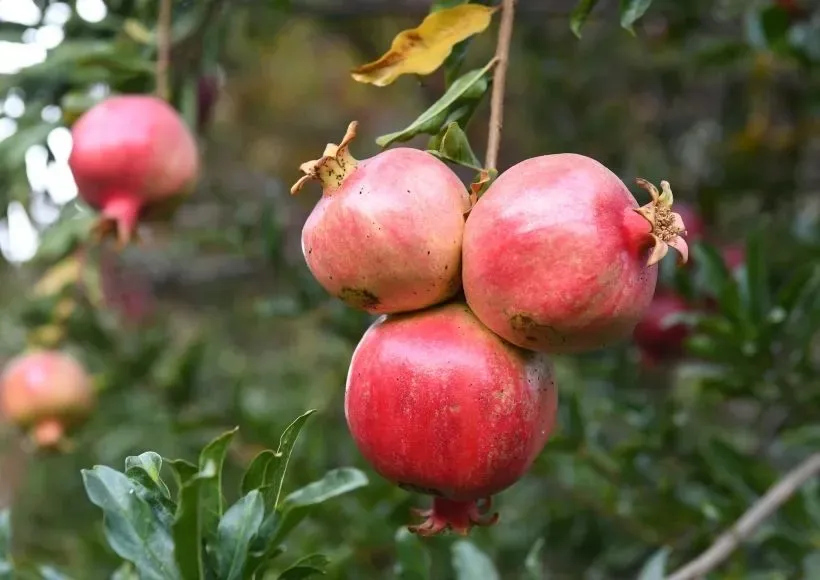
(164, 40)
(502, 54)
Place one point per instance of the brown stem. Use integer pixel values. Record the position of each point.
(164, 44)
(502, 54)
(729, 540)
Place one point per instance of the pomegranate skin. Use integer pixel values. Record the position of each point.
(386, 235)
(438, 404)
(45, 391)
(130, 152)
(556, 256)
(657, 340)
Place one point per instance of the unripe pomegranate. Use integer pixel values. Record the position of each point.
(440, 405)
(558, 257)
(386, 235)
(129, 153)
(45, 392)
(657, 338)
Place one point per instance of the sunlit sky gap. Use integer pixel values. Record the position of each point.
(19, 240)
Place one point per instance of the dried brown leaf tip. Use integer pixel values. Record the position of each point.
(667, 226)
(331, 169)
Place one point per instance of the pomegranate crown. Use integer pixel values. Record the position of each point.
(333, 167)
(668, 228)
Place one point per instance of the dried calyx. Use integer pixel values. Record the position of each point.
(333, 167)
(667, 226)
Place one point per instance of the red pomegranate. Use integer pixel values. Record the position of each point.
(440, 405)
(386, 235)
(558, 257)
(45, 392)
(657, 337)
(129, 153)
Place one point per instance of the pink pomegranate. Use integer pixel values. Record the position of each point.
(440, 405)
(558, 257)
(45, 392)
(734, 256)
(132, 152)
(658, 337)
(386, 235)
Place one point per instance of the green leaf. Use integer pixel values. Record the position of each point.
(132, 529)
(66, 235)
(632, 11)
(655, 567)
(754, 282)
(150, 463)
(275, 473)
(455, 147)
(189, 524)
(50, 573)
(470, 563)
(412, 558)
(297, 505)
(715, 279)
(210, 460)
(154, 494)
(236, 531)
(579, 15)
(307, 567)
(256, 475)
(6, 562)
(470, 86)
(125, 572)
(534, 562)
(183, 471)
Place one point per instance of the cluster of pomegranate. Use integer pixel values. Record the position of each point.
(451, 392)
(133, 159)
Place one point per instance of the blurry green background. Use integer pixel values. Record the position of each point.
(214, 320)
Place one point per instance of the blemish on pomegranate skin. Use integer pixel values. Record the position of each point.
(523, 323)
(358, 298)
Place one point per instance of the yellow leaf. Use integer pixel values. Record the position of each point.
(423, 49)
(59, 276)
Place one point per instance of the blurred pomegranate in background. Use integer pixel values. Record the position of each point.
(44, 393)
(658, 338)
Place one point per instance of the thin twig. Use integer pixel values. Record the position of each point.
(728, 542)
(164, 43)
(502, 53)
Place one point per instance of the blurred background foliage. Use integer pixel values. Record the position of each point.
(214, 321)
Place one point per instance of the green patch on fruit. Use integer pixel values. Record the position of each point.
(359, 298)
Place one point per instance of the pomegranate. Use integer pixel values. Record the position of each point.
(127, 293)
(558, 257)
(386, 235)
(45, 392)
(657, 337)
(440, 405)
(734, 256)
(129, 153)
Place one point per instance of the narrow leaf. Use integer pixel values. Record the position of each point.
(188, 525)
(424, 49)
(133, 531)
(6, 564)
(754, 284)
(297, 506)
(307, 567)
(275, 475)
(50, 573)
(256, 474)
(236, 531)
(183, 471)
(655, 567)
(470, 86)
(470, 563)
(455, 147)
(632, 11)
(412, 558)
(534, 562)
(579, 15)
(211, 459)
